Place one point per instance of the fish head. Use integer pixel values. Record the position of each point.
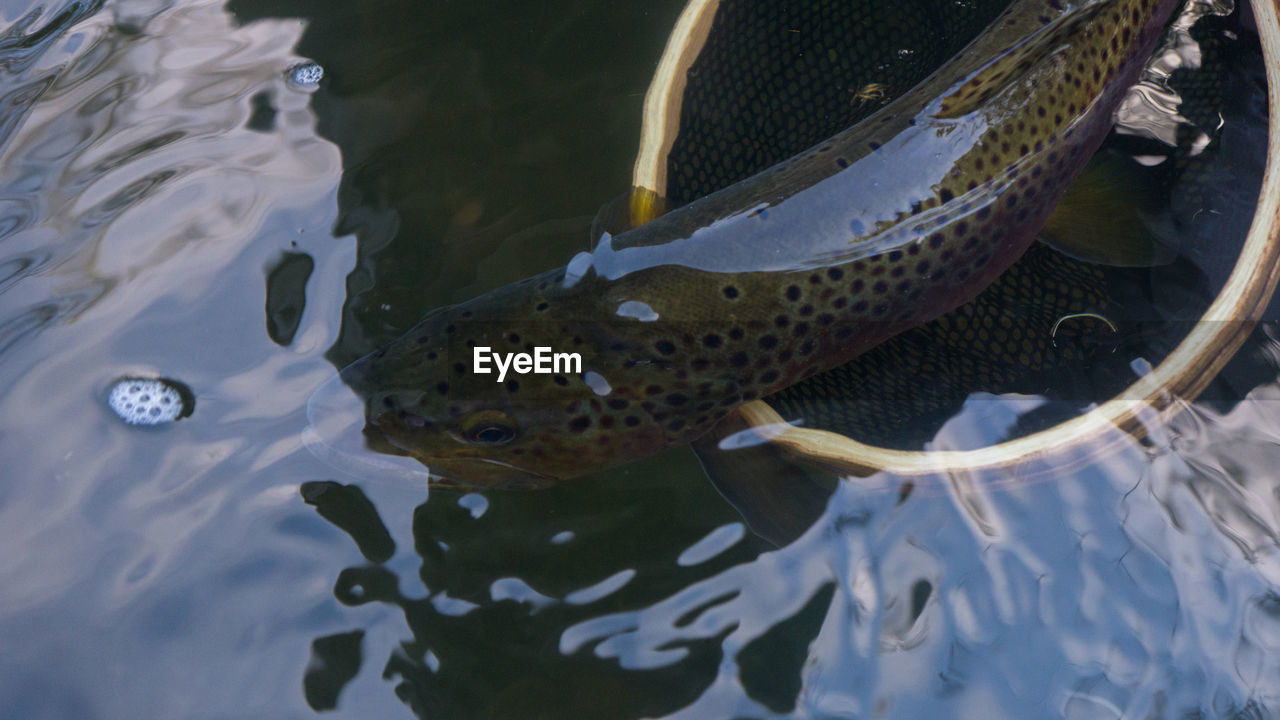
(428, 397)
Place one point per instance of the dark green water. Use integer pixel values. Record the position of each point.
(170, 205)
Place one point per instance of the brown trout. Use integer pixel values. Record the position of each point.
(793, 271)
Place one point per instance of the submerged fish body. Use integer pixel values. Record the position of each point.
(791, 272)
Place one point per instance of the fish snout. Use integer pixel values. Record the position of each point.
(398, 409)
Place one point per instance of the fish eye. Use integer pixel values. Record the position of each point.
(489, 428)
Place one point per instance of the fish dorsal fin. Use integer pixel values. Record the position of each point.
(626, 211)
(644, 205)
(1014, 64)
(1105, 217)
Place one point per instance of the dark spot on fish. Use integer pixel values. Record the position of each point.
(631, 420)
(541, 306)
(666, 347)
(653, 390)
(768, 342)
(740, 359)
(736, 334)
(793, 293)
(800, 329)
(806, 310)
(561, 380)
(459, 368)
(730, 292)
(842, 162)
(814, 279)
(618, 403)
(442, 388)
(580, 423)
(835, 273)
(880, 288)
(946, 195)
(782, 320)
(712, 340)
(676, 399)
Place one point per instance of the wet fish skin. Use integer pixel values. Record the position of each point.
(793, 271)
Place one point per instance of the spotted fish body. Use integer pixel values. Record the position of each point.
(774, 78)
(791, 272)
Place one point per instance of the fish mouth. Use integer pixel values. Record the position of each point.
(339, 434)
(335, 434)
(470, 473)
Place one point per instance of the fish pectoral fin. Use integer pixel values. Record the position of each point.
(1106, 216)
(778, 499)
(626, 211)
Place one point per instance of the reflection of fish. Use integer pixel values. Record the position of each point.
(791, 272)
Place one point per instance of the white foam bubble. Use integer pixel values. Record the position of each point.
(305, 76)
(145, 402)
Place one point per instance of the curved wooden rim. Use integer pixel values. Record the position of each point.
(1158, 395)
